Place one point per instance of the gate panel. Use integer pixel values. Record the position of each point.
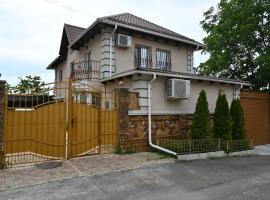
(35, 127)
(94, 119)
(46, 123)
(84, 137)
(109, 130)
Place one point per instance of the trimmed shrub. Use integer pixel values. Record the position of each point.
(200, 121)
(237, 114)
(222, 119)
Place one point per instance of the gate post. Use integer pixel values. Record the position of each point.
(69, 120)
(123, 114)
(2, 112)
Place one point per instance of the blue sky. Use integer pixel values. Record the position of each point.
(31, 29)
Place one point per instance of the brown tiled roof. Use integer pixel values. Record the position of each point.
(137, 24)
(132, 20)
(73, 32)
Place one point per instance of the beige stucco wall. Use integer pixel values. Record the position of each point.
(93, 46)
(161, 104)
(125, 57)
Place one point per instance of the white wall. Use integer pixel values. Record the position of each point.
(161, 104)
(125, 57)
(93, 46)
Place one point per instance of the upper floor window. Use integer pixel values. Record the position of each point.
(72, 66)
(143, 56)
(87, 63)
(163, 59)
(87, 56)
(189, 61)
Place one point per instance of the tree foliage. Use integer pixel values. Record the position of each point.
(222, 119)
(238, 41)
(200, 121)
(237, 114)
(29, 85)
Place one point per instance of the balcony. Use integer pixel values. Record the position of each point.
(89, 70)
(147, 64)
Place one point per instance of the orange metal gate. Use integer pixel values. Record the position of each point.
(256, 106)
(59, 120)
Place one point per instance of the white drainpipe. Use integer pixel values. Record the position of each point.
(240, 88)
(150, 121)
(115, 27)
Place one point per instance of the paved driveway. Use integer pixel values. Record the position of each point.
(233, 178)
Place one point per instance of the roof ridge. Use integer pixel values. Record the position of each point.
(113, 15)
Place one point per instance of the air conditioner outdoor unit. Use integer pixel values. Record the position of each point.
(123, 40)
(178, 88)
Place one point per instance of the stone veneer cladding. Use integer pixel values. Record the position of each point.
(163, 126)
(133, 131)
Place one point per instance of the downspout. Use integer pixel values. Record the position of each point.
(240, 88)
(150, 121)
(115, 27)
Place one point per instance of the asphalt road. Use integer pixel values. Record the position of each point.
(233, 178)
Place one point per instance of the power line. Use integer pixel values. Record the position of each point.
(69, 7)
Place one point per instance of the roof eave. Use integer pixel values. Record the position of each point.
(131, 72)
(56, 61)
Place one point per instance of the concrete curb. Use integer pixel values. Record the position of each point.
(201, 155)
(244, 153)
(216, 154)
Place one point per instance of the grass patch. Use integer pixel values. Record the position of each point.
(120, 150)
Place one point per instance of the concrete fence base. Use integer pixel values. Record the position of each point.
(216, 154)
(201, 155)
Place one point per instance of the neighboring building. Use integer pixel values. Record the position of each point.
(130, 49)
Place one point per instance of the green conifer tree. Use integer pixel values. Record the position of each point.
(222, 119)
(200, 121)
(237, 114)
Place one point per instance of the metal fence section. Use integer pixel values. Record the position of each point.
(59, 120)
(203, 146)
(236, 145)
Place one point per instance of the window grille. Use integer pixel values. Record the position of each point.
(163, 59)
(189, 61)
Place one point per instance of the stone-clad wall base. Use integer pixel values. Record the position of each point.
(163, 126)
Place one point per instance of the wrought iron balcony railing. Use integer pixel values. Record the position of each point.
(145, 64)
(89, 70)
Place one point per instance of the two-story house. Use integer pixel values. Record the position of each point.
(131, 51)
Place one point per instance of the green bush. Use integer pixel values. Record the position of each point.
(222, 119)
(237, 114)
(200, 121)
